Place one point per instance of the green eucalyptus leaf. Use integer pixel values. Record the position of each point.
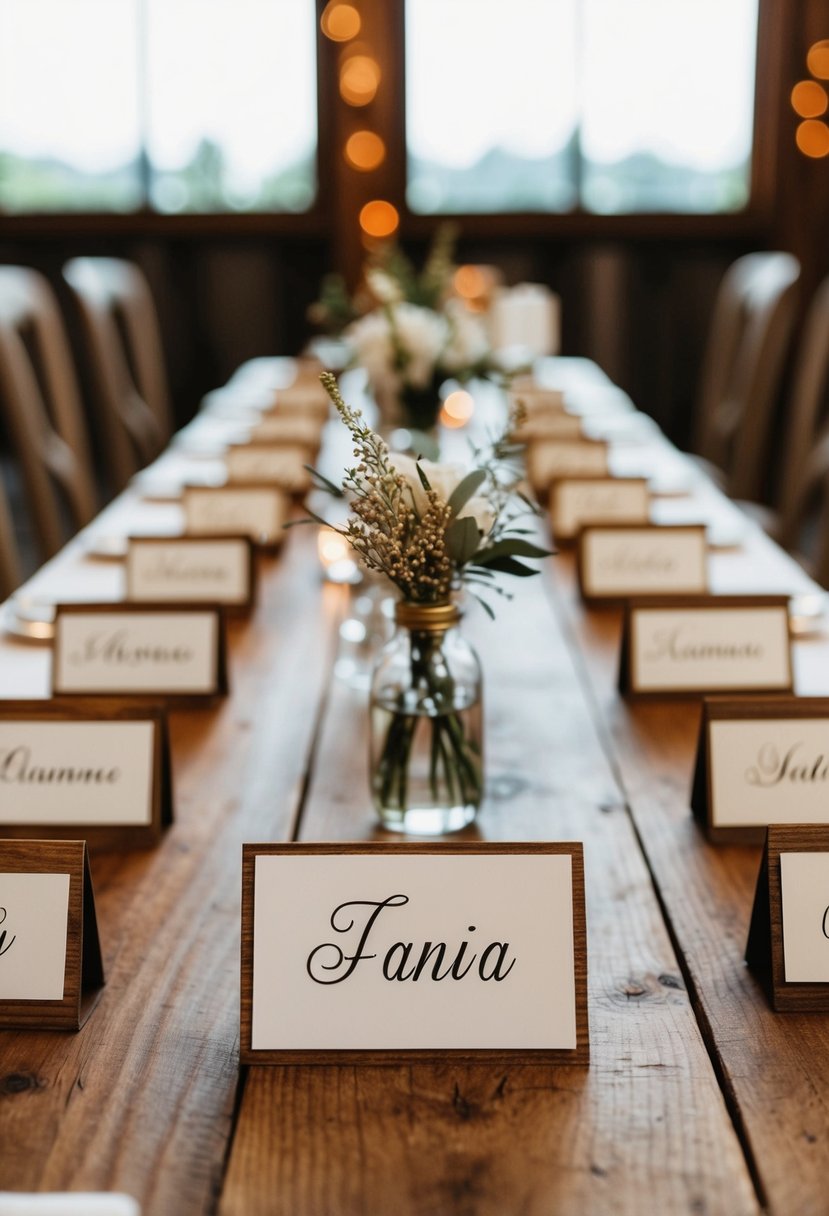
(424, 480)
(462, 539)
(508, 565)
(486, 607)
(509, 546)
(323, 483)
(465, 489)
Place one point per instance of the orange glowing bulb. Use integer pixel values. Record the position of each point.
(812, 138)
(469, 282)
(340, 22)
(817, 59)
(365, 151)
(359, 80)
(379, 218)
(809, 99)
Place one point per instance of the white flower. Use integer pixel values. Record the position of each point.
(383, 287)
(467, 344)
(443, 478)
(420, 335)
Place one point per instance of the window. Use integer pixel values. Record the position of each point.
(182, 105)
(553, 105)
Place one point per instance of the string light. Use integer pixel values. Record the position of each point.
(379, 218)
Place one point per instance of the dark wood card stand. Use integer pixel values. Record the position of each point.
(102, 837)
(249, 1055)
(764, 949)
(626, 682)
(84, 973)
(740, 709)
(617, 598)
(240, 607)
(183, 698)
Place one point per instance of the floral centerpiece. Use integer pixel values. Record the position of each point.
(433, 531)
(408, 330)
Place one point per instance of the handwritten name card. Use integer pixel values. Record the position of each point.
(552, 460)
(216, 570)
(788, 939)
(269, 463)
(50, 956)
(553, 426)
(576, 502)
(310, 399)
(759, 762)
(155, 650)
(408, 952)
(536, 400)
(91, 769)
(619, 561)
(248, 510)
(705, 644)
(291, 430)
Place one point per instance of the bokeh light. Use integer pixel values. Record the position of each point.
(365, 151)
(359, 80)
(379, 218)
(809, 99)
(813, 138)
(817, 59)
(457, 409)
(340, 22)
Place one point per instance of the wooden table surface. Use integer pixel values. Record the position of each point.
(698, 1099)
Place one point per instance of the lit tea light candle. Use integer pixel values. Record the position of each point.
(336, 557)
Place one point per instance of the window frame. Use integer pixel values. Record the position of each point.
(342, 191)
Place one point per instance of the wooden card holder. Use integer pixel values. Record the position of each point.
(666, 655)
(760, 762)
(189, 578)
(257, 510)
(64, 758)
(788, 938)
(550, 460)
(576, 502)
(616, 562)
(260, 462)
(189, 682)
(48, 935)
(398, 912)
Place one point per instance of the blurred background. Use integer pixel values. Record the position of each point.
(622, 152)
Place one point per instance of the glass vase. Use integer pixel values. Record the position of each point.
(426, 724)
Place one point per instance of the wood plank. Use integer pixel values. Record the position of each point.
(644, 1127)
(775, 1068)
(141, 1100)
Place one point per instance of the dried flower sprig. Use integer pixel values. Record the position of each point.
(429, 539)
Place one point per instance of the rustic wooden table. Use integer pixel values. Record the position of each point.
(698, 1099)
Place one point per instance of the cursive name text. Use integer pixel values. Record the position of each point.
(116, 648)
(329, 963)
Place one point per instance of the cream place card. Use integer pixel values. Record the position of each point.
(616, 561)
(192, 569)
(257, 511)
(269, 464)
(552, 460)
(536, 400)
(152, 650)
(85, 768)
(576, 502)
(788, 939)
(692, 645)
(409, 952)
(290, 430)
(310, 399)
(50, 957)
(761, 761)
(553, 426)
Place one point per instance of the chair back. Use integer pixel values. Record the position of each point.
(748, 342)
(10, 569)
(126, 362)
(42, 409)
